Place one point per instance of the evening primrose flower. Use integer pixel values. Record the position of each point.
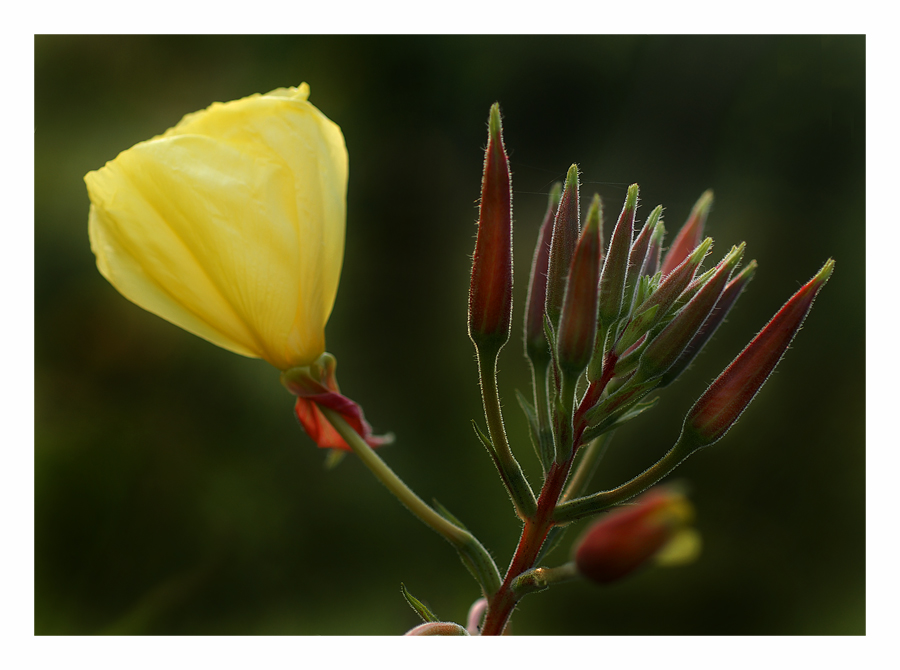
(231, 224)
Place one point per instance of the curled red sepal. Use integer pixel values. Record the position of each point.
(315, 387)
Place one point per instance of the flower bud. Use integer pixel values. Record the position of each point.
(578, 322)
(690, 234)
(490, 294)
(562, 246)
(615, 268)
(536, 346)
(676, 282)
(231, 224)
(443, 628)
(724, 401)
(726, 301)
(666, 347)
(651, 261)
(628, 537)
(637, 259)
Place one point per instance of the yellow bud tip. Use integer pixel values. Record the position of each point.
(494, 124)
(700, 252)
(572, 177)
(595, 213)
(734, 256)
(704, 202)
(823, 274)
(631, 198)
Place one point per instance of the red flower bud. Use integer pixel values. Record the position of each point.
(536, 345)
(626, 538)
(490, 294)
(562, 246)
(578, 323)
(615, 269)
(637, 259)
(728, 396)
(664, 350)
(690, 234)
(726, 301)
(442, 628)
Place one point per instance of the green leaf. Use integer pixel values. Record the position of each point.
(485, 440)
(416, 604)
(444, 512)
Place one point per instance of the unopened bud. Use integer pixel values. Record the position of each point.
(664, 350)
(438, 628)
(490, 294)
(578, 322)
(562, 246)
(677, 281)
(726, 301)
(536, 346)
(615, 268)
(627, 538)
(690, 234)
(654, 253)
(637, 259)
(724, 401)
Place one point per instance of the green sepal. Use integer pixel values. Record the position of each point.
(420, 609)
(485, 440)
(543, 451)
(444, 512)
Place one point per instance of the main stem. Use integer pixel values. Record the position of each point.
(534, 533)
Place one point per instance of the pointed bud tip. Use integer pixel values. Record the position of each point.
(572, 177)
(595, 213)
(823, 274)
(632, 196)
(734, 256)
(702, 249)
(704, 202)
(494, 124)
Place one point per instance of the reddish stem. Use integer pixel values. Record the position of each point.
(537, 526)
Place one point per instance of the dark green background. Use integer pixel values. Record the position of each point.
(174, 491)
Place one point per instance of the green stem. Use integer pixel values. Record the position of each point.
(539, 579)
(582, 507)
(547, 451)
(474, 555)
(509, 468)
(587, 466)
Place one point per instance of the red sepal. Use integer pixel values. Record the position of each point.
(311, 394)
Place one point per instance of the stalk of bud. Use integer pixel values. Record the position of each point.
(690, 234)
(578, 322)
(490, 294)
(536, 346)
(627, 538)
(562, 246)
(724, 401)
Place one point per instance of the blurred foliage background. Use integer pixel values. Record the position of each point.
(176, 494)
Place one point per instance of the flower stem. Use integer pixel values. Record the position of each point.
(509, 468)
(471, 551)
(582, 507)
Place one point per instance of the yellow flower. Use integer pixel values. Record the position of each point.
(231, 224)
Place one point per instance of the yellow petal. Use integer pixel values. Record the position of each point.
(231, 225)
